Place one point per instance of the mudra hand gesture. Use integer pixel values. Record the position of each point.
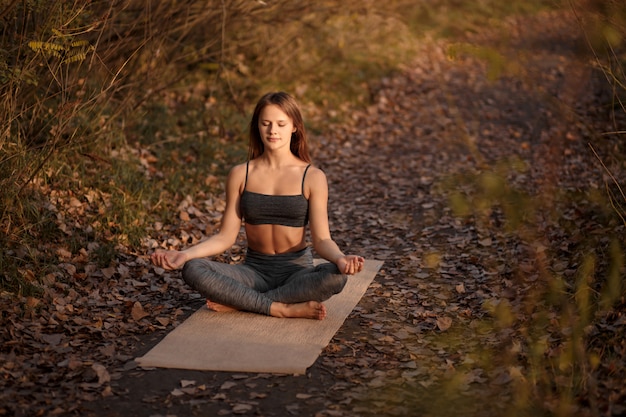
(170, 259)
(350, 264)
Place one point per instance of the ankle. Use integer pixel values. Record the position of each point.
(278, 309)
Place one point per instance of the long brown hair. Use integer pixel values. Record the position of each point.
(287, 104)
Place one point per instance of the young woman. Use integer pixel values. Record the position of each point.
(277, 193)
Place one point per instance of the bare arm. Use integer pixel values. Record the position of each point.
(218, 243)
(323, 243)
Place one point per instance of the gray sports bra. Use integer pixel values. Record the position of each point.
(286, 210)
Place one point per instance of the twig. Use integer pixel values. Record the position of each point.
(619, 132)
(608, 172)
(611, 199)
(8, 8)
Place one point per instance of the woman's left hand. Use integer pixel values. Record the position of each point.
(350, 264)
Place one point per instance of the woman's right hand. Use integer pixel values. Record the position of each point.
(169, 259)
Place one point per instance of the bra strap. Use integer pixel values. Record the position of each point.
(246, 182)
(303, 177)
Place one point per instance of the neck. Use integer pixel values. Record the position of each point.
(277, 159)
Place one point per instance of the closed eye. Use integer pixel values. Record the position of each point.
(280, 124)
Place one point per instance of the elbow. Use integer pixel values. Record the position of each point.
(228, 240)
(226, 244)
(316, 243)
(319, 244)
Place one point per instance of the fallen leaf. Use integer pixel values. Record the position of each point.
(176, 392)
(163, 321)
(64, 254)
(241, 408)
(485, 242)
(108, 350)
(138, 312)
(186, 382)
(74, 202)
(108, 272)
(102, 373)
(444, 323)
(52, 339)
(228, 385)
(32, 302)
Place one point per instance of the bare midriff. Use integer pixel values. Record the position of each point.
(273, 239)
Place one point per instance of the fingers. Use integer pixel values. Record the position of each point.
(156, 258)
(354, 265)
(162, 259)
(167, 264)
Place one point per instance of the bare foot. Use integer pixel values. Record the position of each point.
(220, 308)
(306, 310)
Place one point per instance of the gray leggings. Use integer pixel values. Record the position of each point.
(262, 279)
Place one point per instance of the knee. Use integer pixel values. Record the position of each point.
(338, 281)
(192, 271)
(334, 279)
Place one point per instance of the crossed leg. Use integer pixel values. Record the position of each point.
(237, 287)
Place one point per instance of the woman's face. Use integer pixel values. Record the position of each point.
(275, 127)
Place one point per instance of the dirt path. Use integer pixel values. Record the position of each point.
(430, 337)
(459, 295)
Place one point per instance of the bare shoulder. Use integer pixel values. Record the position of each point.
(237, 176)
(239, 169)
(316, 175)
(316, 180)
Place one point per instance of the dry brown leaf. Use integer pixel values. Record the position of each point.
(228, 385)
(102, 373)
(32, 302)
(138, 312)
(177, 392)
(108, 350)
(123, 270)
(163, 321)
(184, 383)
(485, 242)
(64, 254)
(108, 272)
(444, 323)
(52, 339)
(74, 202)
(242, 408)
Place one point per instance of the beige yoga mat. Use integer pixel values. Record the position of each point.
(246, 342)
